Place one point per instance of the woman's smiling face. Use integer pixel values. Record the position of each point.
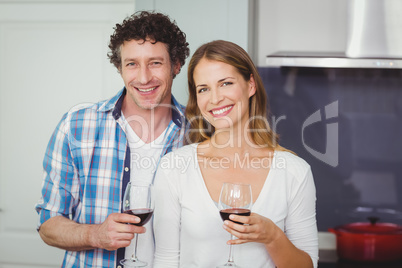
(222, 93)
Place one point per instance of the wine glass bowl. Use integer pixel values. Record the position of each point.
(225, 213)
(138, 201)
(145, 214)
(234, 199)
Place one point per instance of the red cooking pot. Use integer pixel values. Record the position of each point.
(369, 242)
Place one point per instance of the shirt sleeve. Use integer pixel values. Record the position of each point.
(301, 226)
(167, 216)
(59, 177)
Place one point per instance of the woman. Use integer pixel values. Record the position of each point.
(232, 142)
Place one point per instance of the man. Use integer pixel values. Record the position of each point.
(97, 149)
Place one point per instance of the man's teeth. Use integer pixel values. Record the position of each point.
(146, 89)
(221, 111)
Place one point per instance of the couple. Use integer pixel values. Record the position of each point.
(88, 162)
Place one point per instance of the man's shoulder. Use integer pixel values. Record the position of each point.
(88, 115)
(84, 108)
(82, 112)
(92, 110)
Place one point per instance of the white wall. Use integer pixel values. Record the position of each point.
(52, 57)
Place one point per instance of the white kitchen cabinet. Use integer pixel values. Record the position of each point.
(52, 57)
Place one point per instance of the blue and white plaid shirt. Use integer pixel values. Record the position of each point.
(87, 166)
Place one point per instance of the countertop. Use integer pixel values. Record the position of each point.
(329, 259)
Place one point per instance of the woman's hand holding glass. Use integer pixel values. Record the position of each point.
(254, 228)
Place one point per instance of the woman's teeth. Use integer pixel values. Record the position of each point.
(146, 89)
(221, 111)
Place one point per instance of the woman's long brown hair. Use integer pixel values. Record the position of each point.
(232, 54)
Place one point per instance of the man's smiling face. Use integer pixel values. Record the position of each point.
(147, 73)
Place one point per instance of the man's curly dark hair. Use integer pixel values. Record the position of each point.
(145, 25)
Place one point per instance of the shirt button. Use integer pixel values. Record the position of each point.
(125, 169)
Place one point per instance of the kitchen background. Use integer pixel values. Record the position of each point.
(346, 122)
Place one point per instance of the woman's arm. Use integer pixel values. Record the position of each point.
(263, 230)
(297, 245)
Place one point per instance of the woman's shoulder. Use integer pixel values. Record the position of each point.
(290, 162)
(186, 150)
(179, 160)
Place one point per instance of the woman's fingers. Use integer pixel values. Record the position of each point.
(253, 228)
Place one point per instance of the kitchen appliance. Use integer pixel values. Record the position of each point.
(374, 40)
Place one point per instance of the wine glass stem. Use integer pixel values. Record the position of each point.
(134, 257)
(231, 251)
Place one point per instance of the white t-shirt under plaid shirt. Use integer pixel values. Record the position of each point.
(144, 161)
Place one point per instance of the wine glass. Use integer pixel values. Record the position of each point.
(234, 199)
(138, 201)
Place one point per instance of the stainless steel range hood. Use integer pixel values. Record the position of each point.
(329, 60)
(374, 40)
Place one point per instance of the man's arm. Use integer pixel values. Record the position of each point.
(112, 234)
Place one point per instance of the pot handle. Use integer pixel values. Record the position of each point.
(332, 230)
(373, 220)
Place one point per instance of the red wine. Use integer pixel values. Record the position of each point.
(144, 214)
(238, 211)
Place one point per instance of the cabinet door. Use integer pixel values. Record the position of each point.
(52, 57)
